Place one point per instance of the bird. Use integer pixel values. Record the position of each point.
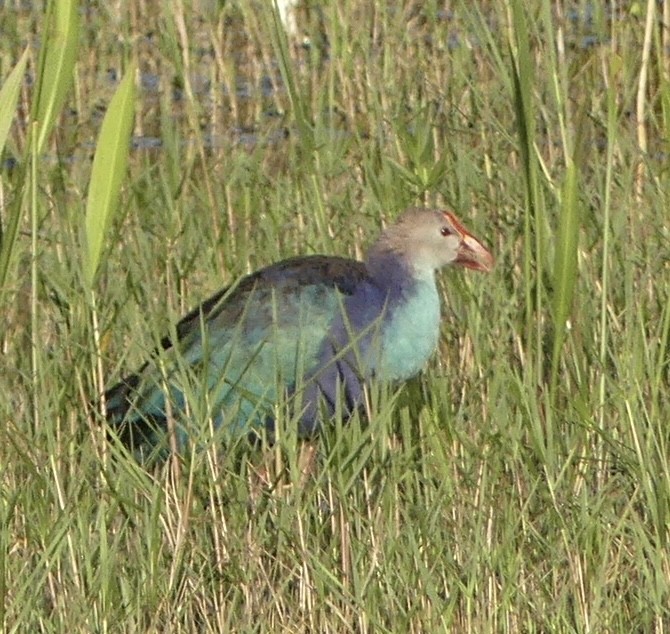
(314, 330)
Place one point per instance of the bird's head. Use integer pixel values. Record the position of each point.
(428, 239)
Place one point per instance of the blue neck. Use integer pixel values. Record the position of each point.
(393, 275)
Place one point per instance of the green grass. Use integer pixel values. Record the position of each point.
(521, 484)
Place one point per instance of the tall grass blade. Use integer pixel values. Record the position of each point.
(522, 76)
(565, 262)
(56, 66)
(54, 78)
(301, 110)
(109, 170)
(9, 94)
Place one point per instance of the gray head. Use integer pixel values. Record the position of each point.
(428, 239)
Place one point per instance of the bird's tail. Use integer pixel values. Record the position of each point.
(136, 430)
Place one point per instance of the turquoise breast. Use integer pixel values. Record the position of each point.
(410, 336)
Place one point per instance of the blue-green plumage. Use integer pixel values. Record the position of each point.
(313, 328)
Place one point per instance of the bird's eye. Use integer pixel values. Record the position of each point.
(445, 231)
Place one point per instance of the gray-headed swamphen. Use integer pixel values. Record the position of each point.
(314, 329)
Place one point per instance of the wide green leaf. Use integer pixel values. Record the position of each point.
(109, 170)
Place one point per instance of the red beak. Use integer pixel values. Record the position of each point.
(472, 254)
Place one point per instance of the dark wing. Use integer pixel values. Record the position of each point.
(286, 277)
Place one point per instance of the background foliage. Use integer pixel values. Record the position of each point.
(521, 484)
